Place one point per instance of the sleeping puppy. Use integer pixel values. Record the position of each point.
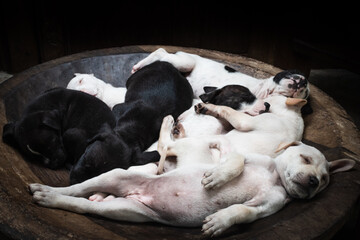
(179, 198)
(96, 87)
(237, 97)
(56, 125)
(205, 72)
(152, 93)
(262, 134)
(234, 96)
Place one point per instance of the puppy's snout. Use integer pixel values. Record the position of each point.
(313, 182)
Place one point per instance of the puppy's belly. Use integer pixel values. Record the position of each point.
(178, 198)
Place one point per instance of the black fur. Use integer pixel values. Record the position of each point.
(231, 95)
(153, 92)
(58, 124)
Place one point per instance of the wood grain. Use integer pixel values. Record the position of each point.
(329, 128)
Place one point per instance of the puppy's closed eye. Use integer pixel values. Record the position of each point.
(305, 159)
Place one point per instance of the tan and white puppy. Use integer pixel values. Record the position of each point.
(205, 72)
(179, 198)
(96, 87)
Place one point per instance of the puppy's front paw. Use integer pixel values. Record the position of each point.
(200, 108)
(34, 187)
(45, 199)
(214, 178)
(216, 224)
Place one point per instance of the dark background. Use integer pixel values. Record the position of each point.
(288, 36)
(322, 41)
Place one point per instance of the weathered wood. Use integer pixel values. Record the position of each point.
(328, 128)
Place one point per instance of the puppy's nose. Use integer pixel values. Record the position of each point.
(313, 182)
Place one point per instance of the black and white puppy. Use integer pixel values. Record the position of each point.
(207, 72)
(153, 92)
(56, 125)
(239, 98)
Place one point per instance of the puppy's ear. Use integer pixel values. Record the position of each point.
(341, 165)
(104, 132)
(52, 119)
(141, 158)
(9, 134)
(208, 89)
(299, 102)
(283, 146)
(209, 95)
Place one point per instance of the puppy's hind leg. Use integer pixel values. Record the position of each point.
(165, 141)
(153, 57)
(181, 61)
(118, 209)
(106, 182)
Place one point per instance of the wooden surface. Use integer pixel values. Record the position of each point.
(328, 128)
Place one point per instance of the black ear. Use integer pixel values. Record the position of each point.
(52, 119)
(9, 134)
(104, 132)
(208, 89)
(141, 158)
(307, 109)
(209, 96)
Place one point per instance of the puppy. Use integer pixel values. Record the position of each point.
(234, 96)
(179, 198)
(237, 97)
(56, 125)
(152, 93)
(205, 72)
(262, 134)
(104, 91)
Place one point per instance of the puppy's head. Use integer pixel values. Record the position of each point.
(292, 83)
(304, 171)
(87, 83)
(106, 151)
(38, 136)
(235, 96)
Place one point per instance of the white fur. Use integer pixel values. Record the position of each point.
(206, 72)
(104, 91)
(178, 198)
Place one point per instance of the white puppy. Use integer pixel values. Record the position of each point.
(205, 72)
(178, 197)
(104, 91)
(262, 134)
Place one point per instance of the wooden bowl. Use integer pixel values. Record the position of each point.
(328, 128)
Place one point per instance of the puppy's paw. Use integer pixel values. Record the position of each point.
(168, 122)
(200, 108)
(97, 197)
(135, 68)
(46, 199)
(214, 178)
(36, 187)
(216, 224)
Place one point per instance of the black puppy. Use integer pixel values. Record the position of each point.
(153, 92)
(55, 127)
